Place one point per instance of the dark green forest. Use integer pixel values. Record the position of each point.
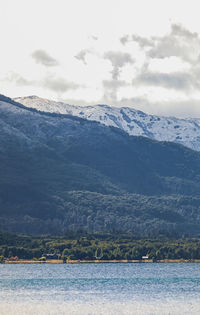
(81, 245)
(98, 212)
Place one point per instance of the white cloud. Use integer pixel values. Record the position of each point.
(168, 65)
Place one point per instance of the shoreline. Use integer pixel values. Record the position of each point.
(54, 261)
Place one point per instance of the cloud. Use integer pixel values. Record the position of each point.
(42, 57)
(118, 60)
(177, 108)
(50, 82)
(111, 88)
(82, 55)
(59, 85)
(180, 42)
(142, 41)
(94, 37)
(179, 30)
(176, 80)
(124, 39)
(140, 103)
(183, 109)
(18, 79)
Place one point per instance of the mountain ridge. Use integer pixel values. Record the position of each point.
(60, 172)
(134, 122)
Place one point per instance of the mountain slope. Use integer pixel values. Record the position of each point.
(59, 172)
(134, 122)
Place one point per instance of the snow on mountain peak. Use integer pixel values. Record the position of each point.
(134, 122)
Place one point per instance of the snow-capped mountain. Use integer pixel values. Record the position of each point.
(62, 172)
(134, 122)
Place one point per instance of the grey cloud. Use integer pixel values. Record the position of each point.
(94, 37)
(81, 55)
(179, 30)
(42, 57)
(182, 109)
(110, 90)
(113, 84)
(124, 39)
(167, 47)
(139, 103)
(18, 79)
(51, 82)
(142, 41)
(59, 85)
(176, 80)
(180, 43)
(118, 60)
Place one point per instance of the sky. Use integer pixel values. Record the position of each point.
(143, 54)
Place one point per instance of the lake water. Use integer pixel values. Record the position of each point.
(137, 288)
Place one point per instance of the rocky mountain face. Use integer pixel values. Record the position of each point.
(60, 172)
(134, 122)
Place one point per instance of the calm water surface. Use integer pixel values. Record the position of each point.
(100, 289)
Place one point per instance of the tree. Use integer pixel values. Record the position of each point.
(2, 259)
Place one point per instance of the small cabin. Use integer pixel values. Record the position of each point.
(14, 258)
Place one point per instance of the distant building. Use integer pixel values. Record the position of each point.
(13, 258)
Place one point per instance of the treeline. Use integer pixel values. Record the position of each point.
(92, 211)
(106, 246)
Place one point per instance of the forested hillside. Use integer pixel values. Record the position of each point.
(59, 172)
(104, 246)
